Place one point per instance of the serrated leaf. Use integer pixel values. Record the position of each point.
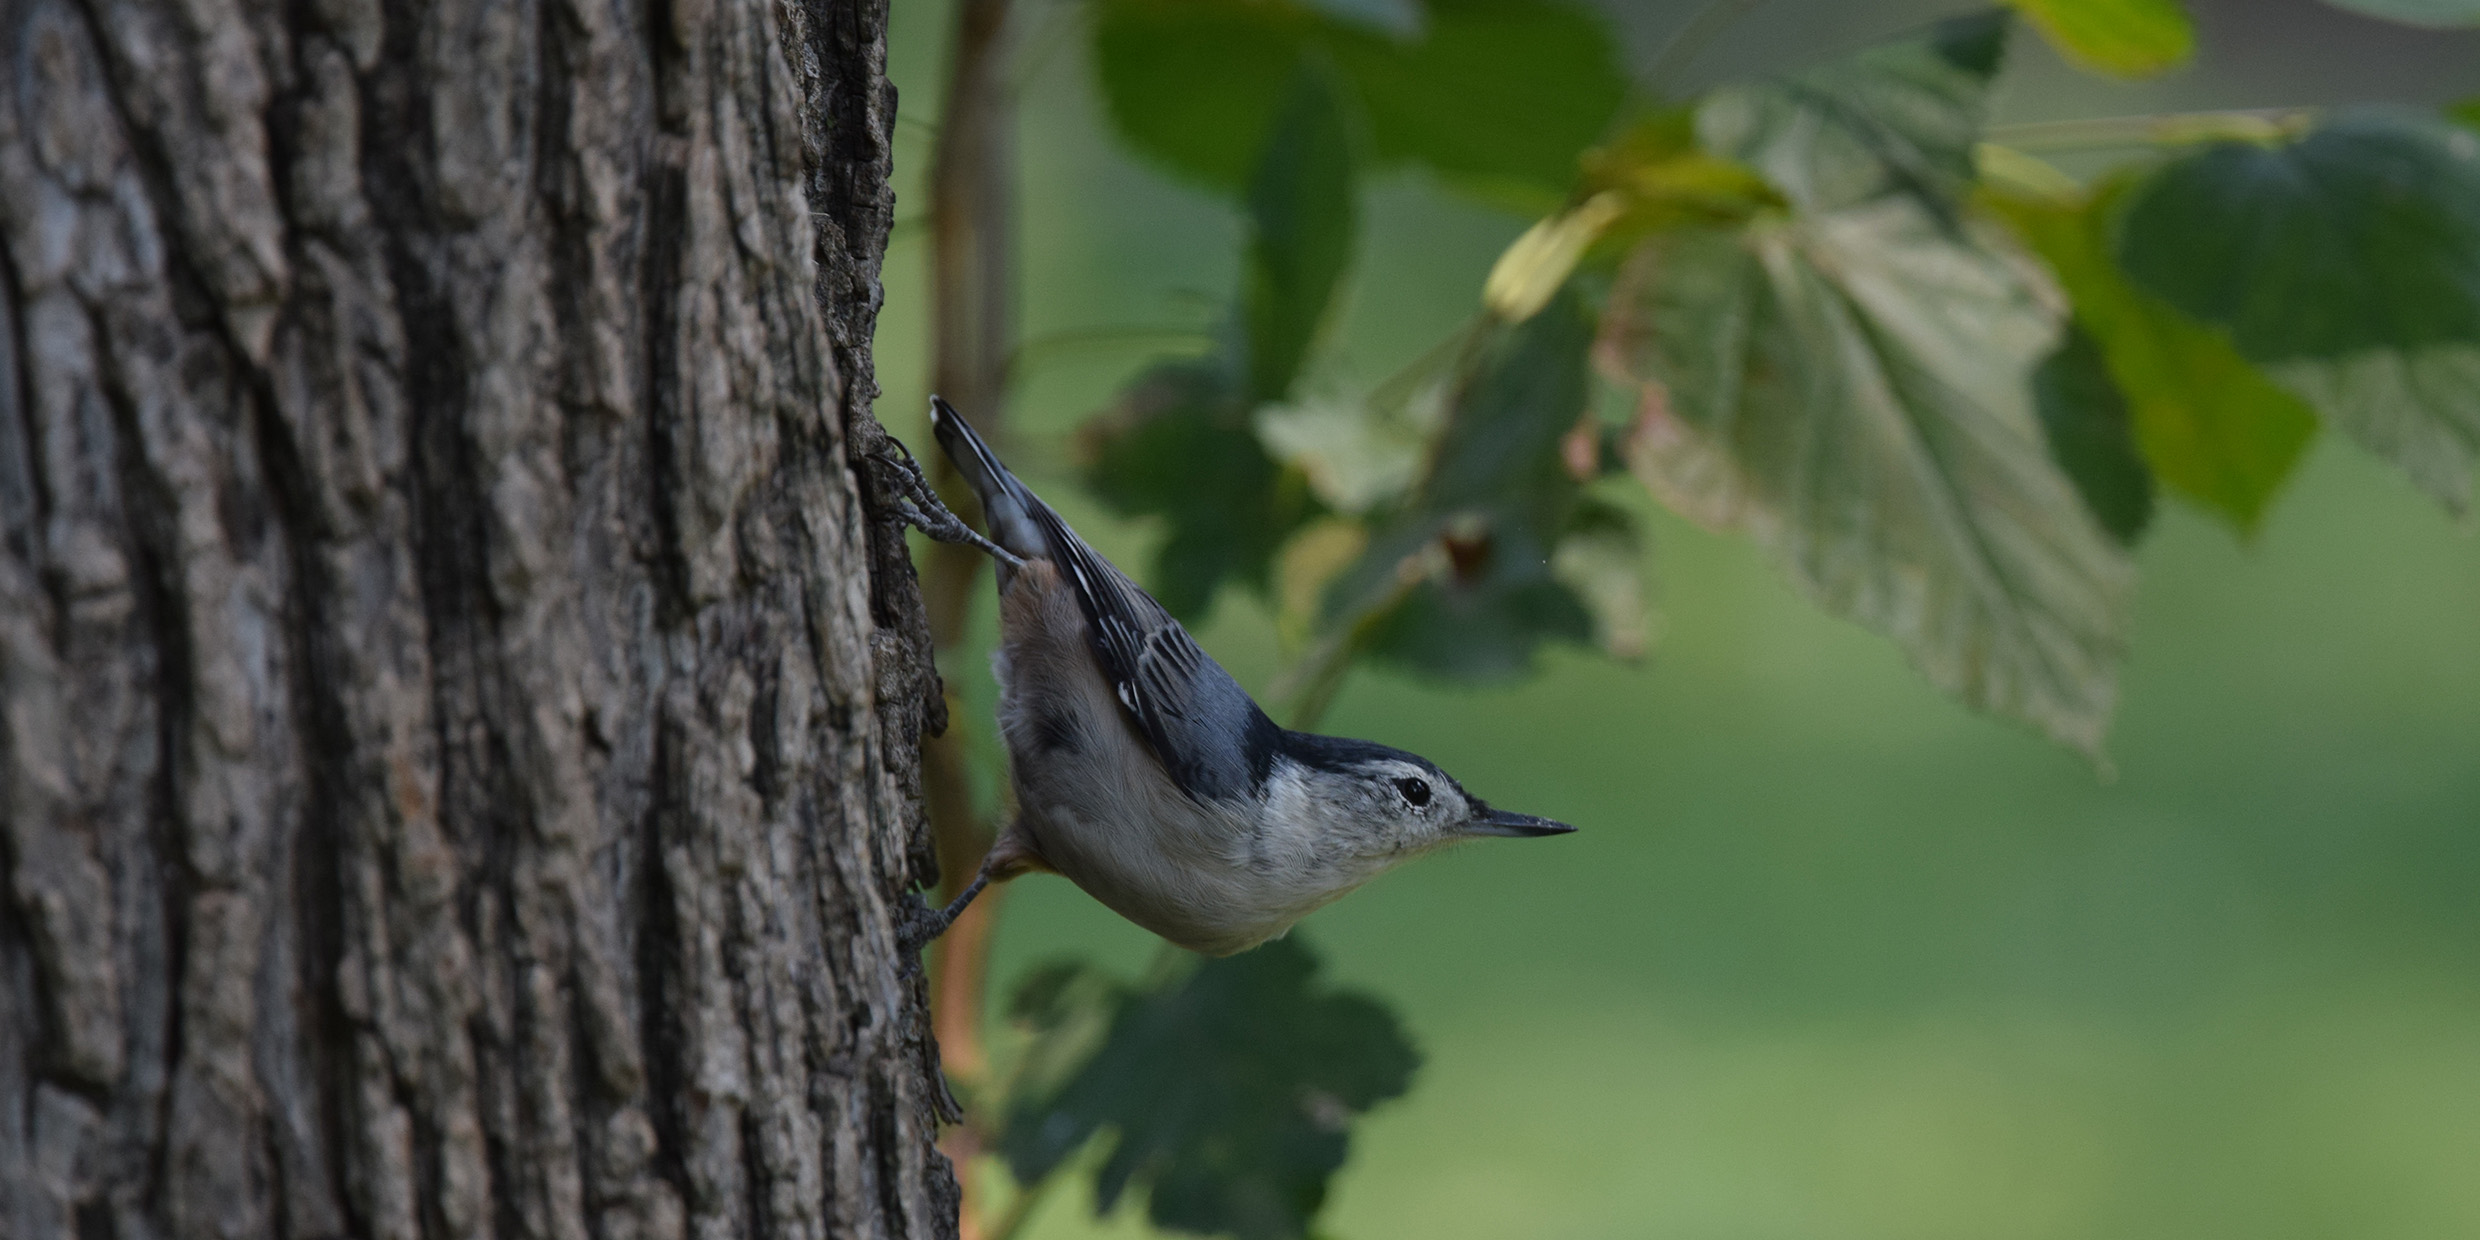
(1179, 446)
(1302, 216)
(1852, 389)
(1227, 1093)
(2084, 416)
(1458, 583)
(1898, 119)
(2419, 409)
(2347, 265)
(2436, 14)
(2125, 38)
(1497, 96)
(2214, 428)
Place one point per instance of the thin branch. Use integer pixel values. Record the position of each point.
(1694, 36)
(1053, 29)
(1030, 351)
(1308, 686)
(2159, 129)
(972, 225)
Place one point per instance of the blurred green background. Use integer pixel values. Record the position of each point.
(1833, 957)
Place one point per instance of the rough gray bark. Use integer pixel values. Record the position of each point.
(457, 761)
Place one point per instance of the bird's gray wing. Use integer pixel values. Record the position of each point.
(1208, 733)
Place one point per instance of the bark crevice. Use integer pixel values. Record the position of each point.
(457, 765)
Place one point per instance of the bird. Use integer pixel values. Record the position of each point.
(1143, 772)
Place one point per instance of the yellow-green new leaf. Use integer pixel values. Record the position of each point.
(1851, 388)
(1535, 265)
(2123, 38)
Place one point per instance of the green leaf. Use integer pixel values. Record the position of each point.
(1179, 446)
(2085, 418)
(1480, 630)
(1898, 119)
(1498, 96)
(2465, 113)
(1301, 221)
(1459, 583)
(2345, 264)
(1356, 457)
(2215, 428)
(1601, 559)
(1852, 389)
(1227, 1092)
(1196, 84)
(2125, 38)
(2419, 409)
(2437, 14)
(2365, 234)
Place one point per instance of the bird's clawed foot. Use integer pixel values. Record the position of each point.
(918, 505)
(923, 924)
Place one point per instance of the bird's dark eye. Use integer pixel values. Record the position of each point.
(1415, 790)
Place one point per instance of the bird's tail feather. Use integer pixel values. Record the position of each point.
(1006, 505)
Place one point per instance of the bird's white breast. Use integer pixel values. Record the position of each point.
(1216, 877)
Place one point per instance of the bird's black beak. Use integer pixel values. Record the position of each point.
(1504, 822)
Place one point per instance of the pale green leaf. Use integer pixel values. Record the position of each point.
(1356, 458)
(2418, 408)
(1851, 389)
(1899, 119)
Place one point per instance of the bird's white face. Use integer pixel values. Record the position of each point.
(1384, 810)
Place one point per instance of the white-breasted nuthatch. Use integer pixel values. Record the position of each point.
(1145, 773)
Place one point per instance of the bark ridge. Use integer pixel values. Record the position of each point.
(458, 705)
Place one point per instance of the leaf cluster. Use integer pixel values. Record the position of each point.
(1945, 386)
(1225, 1090)
(1942, 383)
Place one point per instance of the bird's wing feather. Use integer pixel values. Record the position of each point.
(1198, 720)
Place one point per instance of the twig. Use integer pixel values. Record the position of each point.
(972, 273)
(1309, 686)
(1694, 36)
(2159, 129)
(1028, 350)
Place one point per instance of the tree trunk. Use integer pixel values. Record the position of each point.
(459, 760)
